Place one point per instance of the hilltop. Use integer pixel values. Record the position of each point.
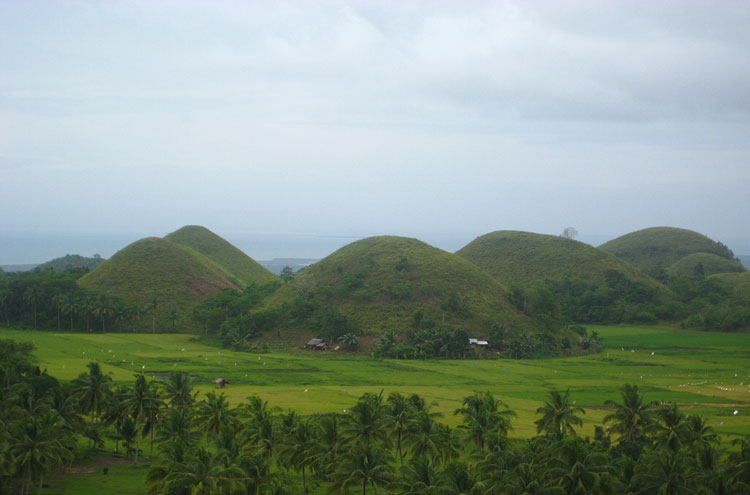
(381, 283)
(71, 262)
(177, 277)
(239, 267)
(529, 259)
(655, 249)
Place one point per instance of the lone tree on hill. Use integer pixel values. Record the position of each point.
(569, 233)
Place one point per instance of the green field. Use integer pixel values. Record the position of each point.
(705, 372)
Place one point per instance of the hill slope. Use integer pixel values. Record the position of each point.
(234, 262)
(527, 258)
(703, 264)
(379, 283)
(658, 247)
(154, 268)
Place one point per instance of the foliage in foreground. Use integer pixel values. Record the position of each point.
(394, 444)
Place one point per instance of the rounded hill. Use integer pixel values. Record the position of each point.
(657, 248)
(240, 268)
(155, 269)
(528, 258)
(379, 283)
(699, 265)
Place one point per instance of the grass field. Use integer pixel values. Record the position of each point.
(703, 372)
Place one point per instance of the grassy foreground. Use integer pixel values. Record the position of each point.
(704, 371)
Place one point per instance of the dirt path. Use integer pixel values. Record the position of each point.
(97, 464)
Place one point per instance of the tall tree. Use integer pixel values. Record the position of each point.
(559, 415)
(631, 418)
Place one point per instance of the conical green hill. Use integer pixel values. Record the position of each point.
(158, 269)
(379, 283)
(236, 263)
(703, 264)
(528, 259)
(658, 247)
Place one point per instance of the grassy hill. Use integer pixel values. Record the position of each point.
(527, 258)
(175, 275)
(71, 262)
(657, 248)
(379, 283)
(239, 267)
(711, 264)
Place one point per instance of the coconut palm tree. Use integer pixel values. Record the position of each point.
(68, 305)
(420, 477)
(179, 391)
(558, 415)
(38, 444)
(698, 433)
(103, 309)
(459, 479)
(203, 473)
(301, 448)
(139, 402)
(631, 418)
(366, 419)
(671, 428)
(399, 419)
(213, 413)
(581, 470)
(664, 472)
(365, 464)
(430, 439)
(482, 415)
(92, 390)
(32, 296)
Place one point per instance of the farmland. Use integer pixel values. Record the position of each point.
(706, 373)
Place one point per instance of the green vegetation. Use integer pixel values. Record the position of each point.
(380, 283)
(697, 266)
(720, 302)
(655, 249)
(71, 262)
(529, 259)
(243, 269)
(161, 275)
(371, 424)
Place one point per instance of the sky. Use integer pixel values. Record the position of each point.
(252, 118)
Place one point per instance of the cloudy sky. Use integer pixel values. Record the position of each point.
(364, 117)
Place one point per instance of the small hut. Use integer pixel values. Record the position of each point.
(316, 344)
(222, 383)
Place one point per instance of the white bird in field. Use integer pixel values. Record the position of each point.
(143, 367)
(736, 412)
(305, 390)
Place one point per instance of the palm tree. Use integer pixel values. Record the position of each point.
(152, 308)
(139, 402)
(260, 429)
(482, 416)
(68, 305)
(92, 390)
(399, 418)
(558, 415)
(213, 413)
(739, 465)
(366, 419)
(57, 302)
(671, 428)
(366, 464)
(32, 296)
(430, 439)
(38, 445)
(698, 434)
(179, 391)
(631, 418)
(329, 443)
(664, 472)
(301, 449)
(349, 341)
(172, 317)
(458, 479)
(103, 309)
(581, 470)
(418, 478)
(203, 473)
(177, 426)
(528, 479)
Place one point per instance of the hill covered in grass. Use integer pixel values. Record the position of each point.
(526, 258)
(71, 262)
(699, 265)
(655, 249)
(721, 303)
(238, 266)
(154, 269)
(392, 283)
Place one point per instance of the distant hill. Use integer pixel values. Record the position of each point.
(154, 268)
(239, 267)
(276, 265)
(723, 303)
(657, 248)
(703, 265)
(379, 283)
(528, 259)
(70, 262)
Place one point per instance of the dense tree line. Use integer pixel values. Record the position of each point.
(50, 299)
(392, 444)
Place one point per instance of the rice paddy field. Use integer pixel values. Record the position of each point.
(707, 373)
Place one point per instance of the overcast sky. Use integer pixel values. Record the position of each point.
(374, 117)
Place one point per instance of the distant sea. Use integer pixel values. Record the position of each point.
(26, 248)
